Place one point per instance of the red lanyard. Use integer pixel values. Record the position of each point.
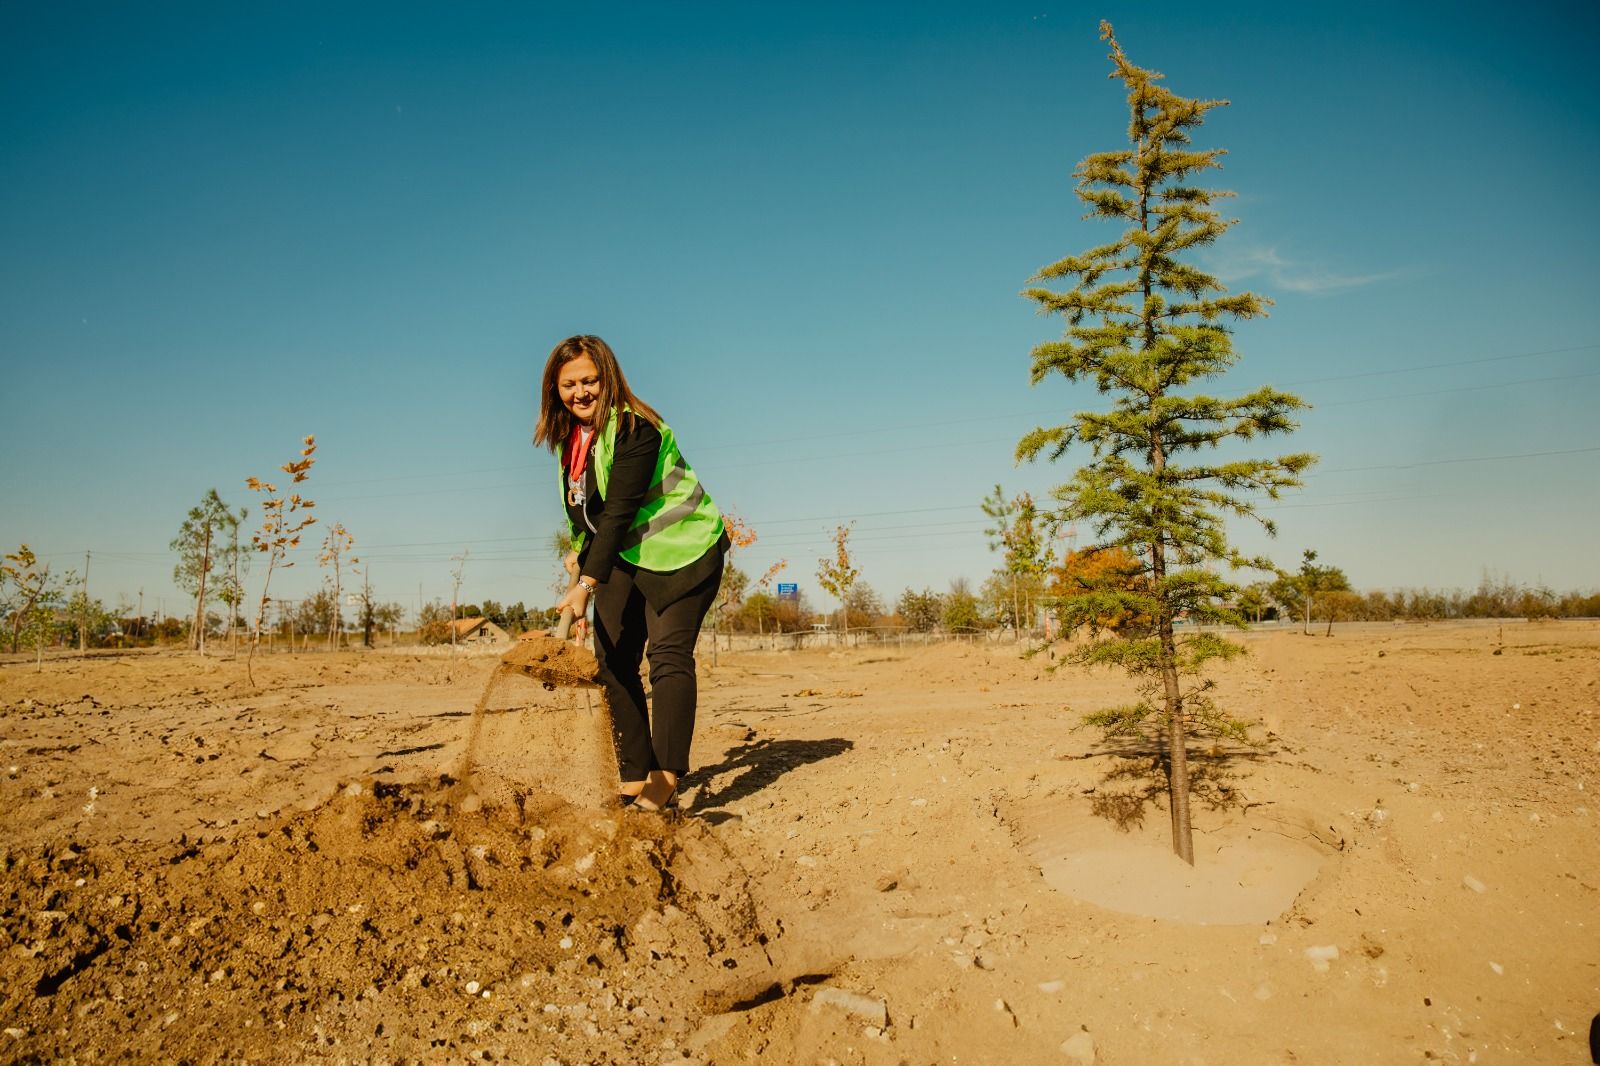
(578, 456)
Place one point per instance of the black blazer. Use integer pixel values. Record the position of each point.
(605, 521)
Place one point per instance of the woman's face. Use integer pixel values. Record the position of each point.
(578, 384)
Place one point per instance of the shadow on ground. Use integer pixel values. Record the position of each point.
(749, 768)
(1137, 781)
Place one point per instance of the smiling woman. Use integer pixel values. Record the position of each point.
(648, 547)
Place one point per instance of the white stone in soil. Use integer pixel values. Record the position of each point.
(1321, 955)
(870, 1010)
(1079, 1049)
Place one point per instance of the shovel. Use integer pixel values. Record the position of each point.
(551, 658)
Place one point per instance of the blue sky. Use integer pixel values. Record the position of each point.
(804, 231)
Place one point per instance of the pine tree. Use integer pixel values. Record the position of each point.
(1144, 323)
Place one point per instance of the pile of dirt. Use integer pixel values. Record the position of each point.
(557, 662)
(389, 925)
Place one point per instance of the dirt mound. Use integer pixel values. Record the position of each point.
(388, 925)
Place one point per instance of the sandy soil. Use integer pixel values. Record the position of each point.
(886, 856)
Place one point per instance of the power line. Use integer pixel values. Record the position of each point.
(1440, 366)
(1462, 388)
(1464, 459)
(376, 549)
(747, 445)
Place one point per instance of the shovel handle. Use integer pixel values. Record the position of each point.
(564, 627)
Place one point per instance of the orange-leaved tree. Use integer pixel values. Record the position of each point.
(836, 575)
(1096, 571)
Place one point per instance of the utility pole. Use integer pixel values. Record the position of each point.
(455, 592)
(141, 611)
(366, 605)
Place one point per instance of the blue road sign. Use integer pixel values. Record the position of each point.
(788, 590)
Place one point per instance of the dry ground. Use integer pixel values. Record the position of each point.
(199, 870)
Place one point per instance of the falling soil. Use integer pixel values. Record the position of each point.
(390, 918)
(533, 743)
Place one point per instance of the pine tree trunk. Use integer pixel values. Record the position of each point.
(1177, 737)
(1177, 749)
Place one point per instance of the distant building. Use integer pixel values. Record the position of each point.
(479, 631)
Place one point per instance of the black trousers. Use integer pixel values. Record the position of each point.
(625, 626)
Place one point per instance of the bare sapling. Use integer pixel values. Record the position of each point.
(762, 584)
(335, 548)
(740, 535)
(283, 520)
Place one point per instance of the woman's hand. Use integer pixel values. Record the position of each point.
(577, 598)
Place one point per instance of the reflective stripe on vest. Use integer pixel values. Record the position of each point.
(677, 520)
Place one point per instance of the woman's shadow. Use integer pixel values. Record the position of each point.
(752, 766)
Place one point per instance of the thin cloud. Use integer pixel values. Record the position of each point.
(1243, 264)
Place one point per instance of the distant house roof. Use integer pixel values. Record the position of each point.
(479, 628)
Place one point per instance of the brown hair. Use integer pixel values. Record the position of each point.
(556, 422)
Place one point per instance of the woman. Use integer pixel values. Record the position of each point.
(648, 552)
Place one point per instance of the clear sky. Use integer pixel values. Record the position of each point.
(804, 229)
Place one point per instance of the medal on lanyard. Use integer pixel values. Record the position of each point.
(577, 462)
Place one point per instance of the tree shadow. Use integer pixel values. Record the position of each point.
(753, 766)
(1137, 782)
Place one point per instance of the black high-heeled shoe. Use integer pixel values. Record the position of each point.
(668, 804)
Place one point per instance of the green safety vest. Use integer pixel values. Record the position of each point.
(677, 522)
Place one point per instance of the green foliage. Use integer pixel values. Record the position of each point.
(315, 613)
(30, 600)
(208, 540)
(921, 611)
(961, 613)
(734, 583)
(1297, 594)
(1144, 323)
(762, 612)
(89, 616)
(1019, 534)
(863, 607)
